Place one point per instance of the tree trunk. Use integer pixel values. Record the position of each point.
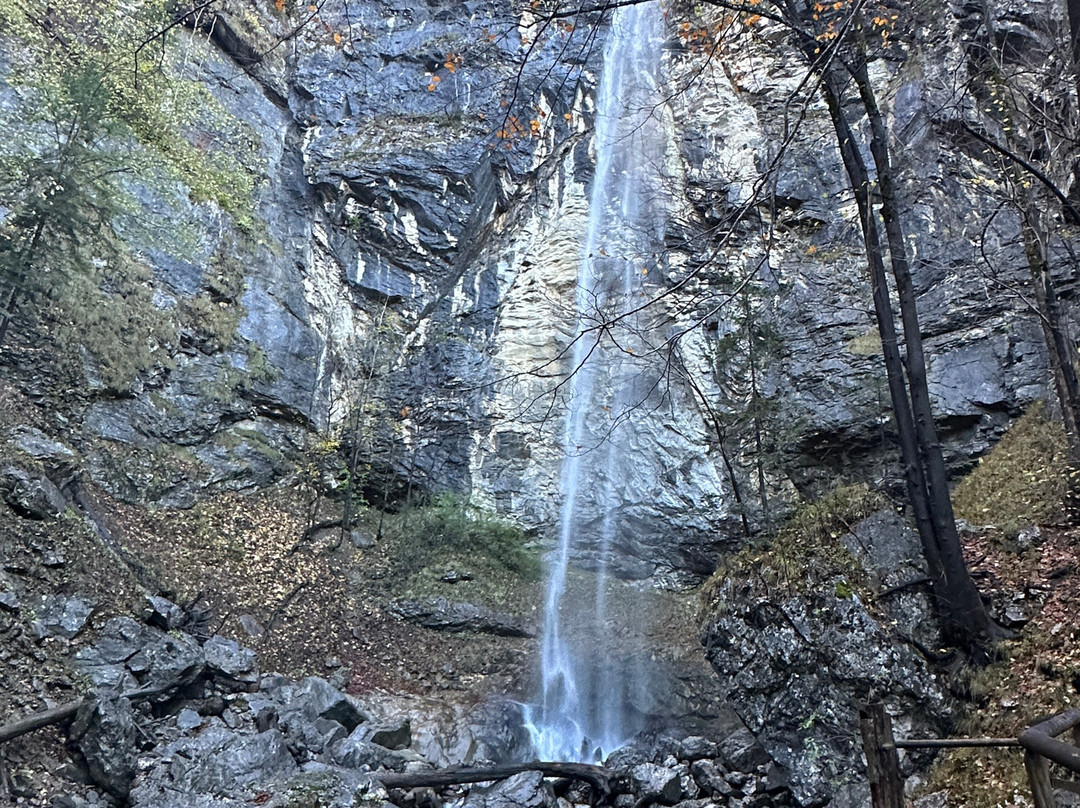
(597, 776)
(1059, 348)
(962, 598)
(905, 425)
(27, 265)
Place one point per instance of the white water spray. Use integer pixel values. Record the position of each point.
(585, 709)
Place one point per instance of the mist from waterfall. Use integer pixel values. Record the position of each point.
(585, 710)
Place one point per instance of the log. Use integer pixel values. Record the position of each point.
(66, 712)
(596, 776)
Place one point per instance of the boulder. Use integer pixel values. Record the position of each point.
(317, 698)
(129, 654)
(524, 790)
(31, 494)
(441, 614)
(655, 783)
(216, 764)
(741, 751)
(696, 748)
(169, 661)
(104, 733)
(162, 613)
(796, 667)
(61, 616)
(355, 752)
(230, 663)
(710, 779)
(188, 719)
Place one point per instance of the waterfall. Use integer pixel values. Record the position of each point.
(585, 708)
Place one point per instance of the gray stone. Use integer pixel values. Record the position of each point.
(742, 752)
(9, 601)
(230, 662)
(250, 625)
(61, 616)
(890, 552)
(799, 699)
(167, 661)
(655, 783)
(524, 790)
(441, 614)
(31, 494)
(40, 446)
(331, 731)
(355, 752)
(162, 613)
(121, 639)
(317, 698)
(497, 727)
(696, 748)
(710, 779)
(188, 719)
(104, 733)
(129, 654)
(937, 799)
(216, 764)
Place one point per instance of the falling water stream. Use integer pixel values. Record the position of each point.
(585, 707)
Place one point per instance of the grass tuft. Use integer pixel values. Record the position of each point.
(807, 550)
(1022, 481)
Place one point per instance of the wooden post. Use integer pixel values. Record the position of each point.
(882, 763)
(1038, 771)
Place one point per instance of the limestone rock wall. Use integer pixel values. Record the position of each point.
(409, 265)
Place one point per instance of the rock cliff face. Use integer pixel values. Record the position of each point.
(400, 289)
(413, 257)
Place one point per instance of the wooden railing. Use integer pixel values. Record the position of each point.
(1039, 742)
(1041, 746)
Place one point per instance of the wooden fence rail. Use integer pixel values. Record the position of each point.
(1039, 742)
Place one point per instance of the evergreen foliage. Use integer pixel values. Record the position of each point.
(98, 115)
(446, 532)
